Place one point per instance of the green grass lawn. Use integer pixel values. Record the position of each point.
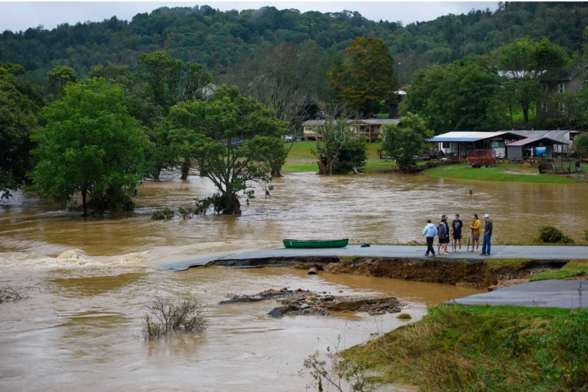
(301, 159)
(573, 268)
(483, 348)
(497, 173)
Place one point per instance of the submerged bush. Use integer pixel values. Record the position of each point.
(551, 235)
(166, 315)
(11, 294)
(162, 214)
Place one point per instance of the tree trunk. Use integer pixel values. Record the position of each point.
(84, 202)
(186, 168)
(157, 173)
(526, 114)
(276, 173)
(233, 206)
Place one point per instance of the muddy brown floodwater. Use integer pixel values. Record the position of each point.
(79, 328)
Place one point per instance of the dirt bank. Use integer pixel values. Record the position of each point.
(491, 273)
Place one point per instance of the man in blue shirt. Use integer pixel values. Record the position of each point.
(430, 231)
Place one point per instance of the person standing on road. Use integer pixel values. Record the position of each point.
(456, 228)
(443, 230)
(429, 232)
(487, 236)
(476, 228)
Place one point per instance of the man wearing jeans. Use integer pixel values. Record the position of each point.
(430, 231)
(487, 236)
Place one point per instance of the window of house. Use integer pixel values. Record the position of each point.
(445, 144)
(562, 88)
(545, 87)
(544, 107)
(561, 106)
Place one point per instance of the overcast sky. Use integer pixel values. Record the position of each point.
(17, 16)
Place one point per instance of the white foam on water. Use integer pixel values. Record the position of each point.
(69, 259)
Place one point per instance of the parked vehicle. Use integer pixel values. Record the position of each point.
(479, 158)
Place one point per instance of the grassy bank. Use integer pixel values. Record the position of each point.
(479, 348)
(573, 269)
(301, 159)
(501, 173)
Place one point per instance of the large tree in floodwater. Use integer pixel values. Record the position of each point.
(91, 147)
(230, 138)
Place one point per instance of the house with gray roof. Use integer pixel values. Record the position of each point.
(369, 128)
(507, 144)
(556, 83)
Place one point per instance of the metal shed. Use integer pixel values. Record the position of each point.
(526, 147)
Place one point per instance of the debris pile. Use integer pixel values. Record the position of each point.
(304, 302)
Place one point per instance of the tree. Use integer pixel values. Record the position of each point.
(91, 147)
(526, 61)
(405, 142)
(581, 144)
(163, 74)
(334, 135)
(18, 120)
(282, 78)
(351, 157)
(229, 137)
(461, 96)
(367, 75)
(58, 78)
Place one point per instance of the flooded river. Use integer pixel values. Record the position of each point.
(79, 328)
(374, 208)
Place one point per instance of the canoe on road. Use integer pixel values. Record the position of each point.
(316, 243)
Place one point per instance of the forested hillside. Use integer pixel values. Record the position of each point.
(218, 40)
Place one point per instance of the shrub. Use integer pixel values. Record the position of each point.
(551, 235)
(586, 235)
(162, 214)
(353, 154)
(166, 315)
(404, 316)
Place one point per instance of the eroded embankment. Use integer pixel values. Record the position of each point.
(489, 273)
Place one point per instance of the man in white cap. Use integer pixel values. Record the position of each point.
(487, 236)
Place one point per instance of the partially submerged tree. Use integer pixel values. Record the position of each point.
(18, 120)
(91, 147)
(229, 137)
(405, 142)
(334, 135)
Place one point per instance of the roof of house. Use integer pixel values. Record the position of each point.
(466, 137)
(563, 75)
(371, 121)
(558, 135)
(531, 140)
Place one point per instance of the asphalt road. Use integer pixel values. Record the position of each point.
(415, 252)
(545, 293)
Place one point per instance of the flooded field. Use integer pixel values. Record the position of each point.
(79, 328)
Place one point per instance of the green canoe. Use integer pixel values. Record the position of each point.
(316, 243)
